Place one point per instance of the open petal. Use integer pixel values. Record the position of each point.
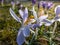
(57, 18)
(50, 5)
(21, 13)
(34, 26)
(20, 37)
(25, 16)
(32, 21)
(14, 15)
(57, 10)
(34, 12)
(44, 4)
(42, 17)
(41, 23)
(26, 31)
(47, 22)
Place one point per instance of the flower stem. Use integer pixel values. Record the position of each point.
(32, 39)
(26, 42)
(36, 33)
(52, 34)
(54, 29)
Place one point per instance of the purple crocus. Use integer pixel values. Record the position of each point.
(46, 4)
(13, 4)
(33, 2)
(50, 5)
(41, 20)
(24, 31)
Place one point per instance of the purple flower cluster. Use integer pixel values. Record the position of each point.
(45, 4)
(24, 31)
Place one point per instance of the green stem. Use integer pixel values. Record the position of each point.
(54, 29)
(32, 39)
(36, 33)
(34, 36)
(52, 34)
(26, 42)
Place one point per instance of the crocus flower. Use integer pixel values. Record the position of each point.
(24, 31)
(42, 19)
(33, 2)
(50, 5)
(46, 4)
(13, 4)
(56, 18)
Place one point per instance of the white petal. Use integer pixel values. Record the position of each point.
(14, 15)
(21, 13)
(25, 16)
(26, 10)
(57, 10)
(58, 19)
(52, 20)
(48, 22)
(34, 12)
(41, 23)
(43, 17)
(32, 20)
